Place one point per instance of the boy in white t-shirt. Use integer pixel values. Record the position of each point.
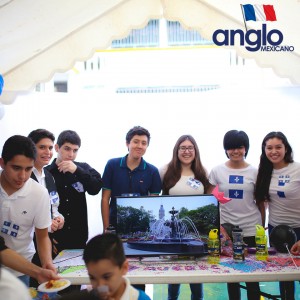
(24, 204)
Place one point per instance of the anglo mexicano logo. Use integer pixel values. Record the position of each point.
(254, 40)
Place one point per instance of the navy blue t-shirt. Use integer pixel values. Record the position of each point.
(121, 181)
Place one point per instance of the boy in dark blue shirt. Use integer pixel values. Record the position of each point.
(130, 175)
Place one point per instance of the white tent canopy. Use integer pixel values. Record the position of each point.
(39, 38)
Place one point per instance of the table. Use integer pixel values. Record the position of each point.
(155, 270)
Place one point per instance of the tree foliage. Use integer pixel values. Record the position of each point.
(132, 220)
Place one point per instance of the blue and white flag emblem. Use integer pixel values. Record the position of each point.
(236, 179)
(236, 194)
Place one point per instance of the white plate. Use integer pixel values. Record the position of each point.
(42, 287)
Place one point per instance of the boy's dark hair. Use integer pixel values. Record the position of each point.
(18, 145)
(137, 130)
(105, 246)
(39, 134)
(234, 139)
(68, 136)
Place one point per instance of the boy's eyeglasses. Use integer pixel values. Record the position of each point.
(189, 148)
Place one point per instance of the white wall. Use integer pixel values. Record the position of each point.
(102, 119)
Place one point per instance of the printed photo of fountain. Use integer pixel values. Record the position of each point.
(173, 226)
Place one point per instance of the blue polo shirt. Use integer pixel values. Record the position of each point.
(121, 181)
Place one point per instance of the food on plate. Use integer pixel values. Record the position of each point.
(54, 284)
(33, 292)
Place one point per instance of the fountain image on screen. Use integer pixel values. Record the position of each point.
(166, 225)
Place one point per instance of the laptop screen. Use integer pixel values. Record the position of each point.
(166, 225)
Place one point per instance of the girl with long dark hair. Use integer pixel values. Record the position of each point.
(184, 175)
(278, 189)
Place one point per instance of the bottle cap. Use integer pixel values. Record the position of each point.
(260, 230)
(213, 234)
(237, 229)
(111, 229)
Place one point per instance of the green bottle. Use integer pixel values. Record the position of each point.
(261, 243)
(213, 247)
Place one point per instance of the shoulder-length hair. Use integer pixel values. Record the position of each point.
(174, 168)
(265, 168)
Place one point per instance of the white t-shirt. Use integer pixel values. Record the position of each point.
(284, 191)
(20, 213)
(11, 288)
(131, 293)
(186, 185)
(237, 184)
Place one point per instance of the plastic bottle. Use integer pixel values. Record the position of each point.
(213, 247)
(261, 243)
(238, 244)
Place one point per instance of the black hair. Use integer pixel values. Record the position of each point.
(105, 246)
(68, 136)
(137, 130)
(18, 145)
(265, 168)
(39, 134)
(234, 139)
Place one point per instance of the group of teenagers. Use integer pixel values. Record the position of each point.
(29, 220)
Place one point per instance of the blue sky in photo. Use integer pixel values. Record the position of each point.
(153, 203)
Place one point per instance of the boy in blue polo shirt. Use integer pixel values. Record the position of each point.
(130, 175)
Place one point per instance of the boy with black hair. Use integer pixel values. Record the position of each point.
(44, 142)
(128, 175)
(73, 179)
(24, 204)
(107, 265)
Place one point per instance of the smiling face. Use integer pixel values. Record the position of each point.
(237, 154)
(44, 150)
(137, 146)
(186, 152)
(275, 151)
(15, 173)
(104, 273)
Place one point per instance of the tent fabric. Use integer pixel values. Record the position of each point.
(39, 38)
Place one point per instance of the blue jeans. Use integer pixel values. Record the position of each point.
(196, 291)
(25, 279)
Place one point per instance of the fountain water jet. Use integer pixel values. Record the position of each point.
(171, 236)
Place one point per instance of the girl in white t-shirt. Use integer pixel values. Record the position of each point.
(236, 178)
(184, 175)
(278, 188)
